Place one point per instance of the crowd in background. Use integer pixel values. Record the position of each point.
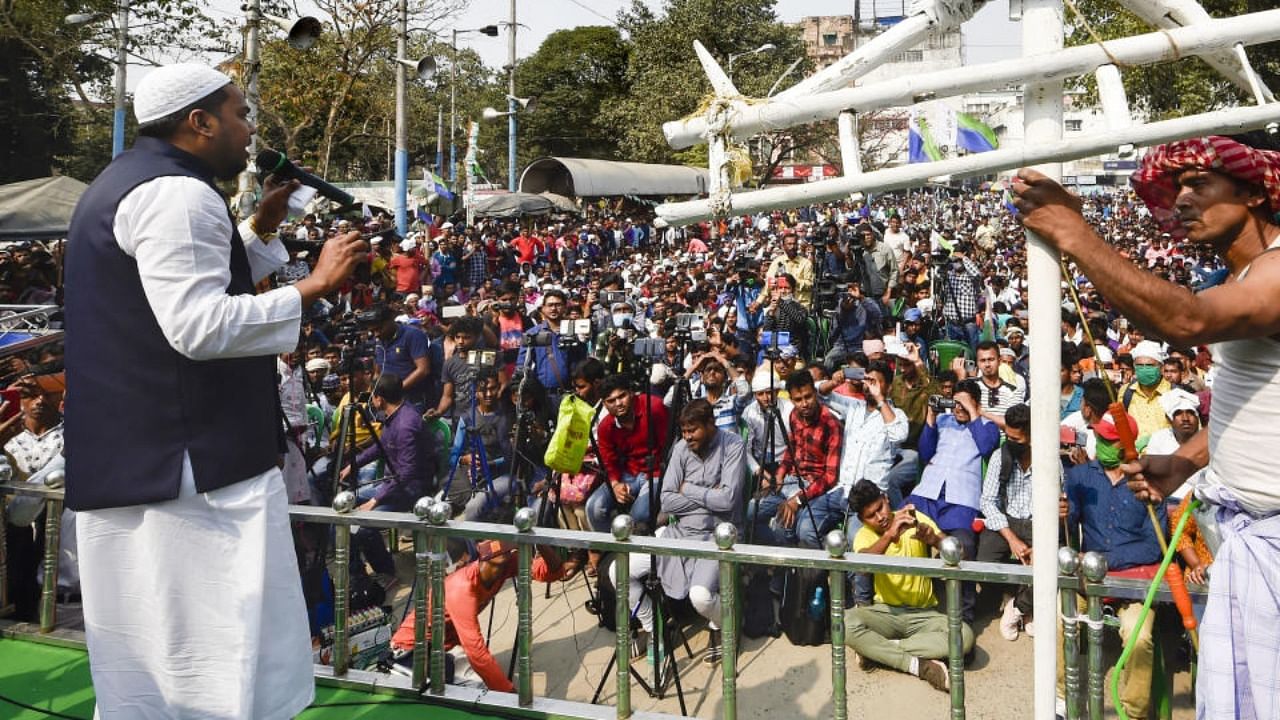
(861, 365)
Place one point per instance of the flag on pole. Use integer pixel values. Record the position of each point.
(935, 132)
(974, 135)
(436, 183)
(989, 317)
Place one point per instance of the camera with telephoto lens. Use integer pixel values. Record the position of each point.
(538, 339)
(609, 298)
(938, 403)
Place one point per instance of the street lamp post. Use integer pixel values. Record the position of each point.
(302, 33)
(402, 125)
(511, 102)
(491, 31)
(734, 56)
(122, 60)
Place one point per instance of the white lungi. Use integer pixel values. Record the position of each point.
(193, 608)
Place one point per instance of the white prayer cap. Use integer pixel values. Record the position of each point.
(315, 364)
(1178, 399)
(1147, 349)
(168, 89)
(763, 380)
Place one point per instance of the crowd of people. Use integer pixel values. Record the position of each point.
(859, 365)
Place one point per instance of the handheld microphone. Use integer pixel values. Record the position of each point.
(273, 162)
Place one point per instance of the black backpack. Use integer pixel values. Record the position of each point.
(759, 618)
(798, 591)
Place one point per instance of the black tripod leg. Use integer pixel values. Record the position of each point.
(608, 670)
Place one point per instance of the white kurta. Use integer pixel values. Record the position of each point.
(193, 607)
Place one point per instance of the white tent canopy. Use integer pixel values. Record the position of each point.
(579, 177)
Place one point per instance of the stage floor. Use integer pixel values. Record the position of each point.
(54, 683)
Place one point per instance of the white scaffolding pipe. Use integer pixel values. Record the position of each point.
(1219, 122)
(746, 119)
(850, 158)
(1042, 125)
(1169, 14)
(938, 14)
(1115, 103)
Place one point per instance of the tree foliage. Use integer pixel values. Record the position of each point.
(665, 80)
(1183, 87)
(575, 75)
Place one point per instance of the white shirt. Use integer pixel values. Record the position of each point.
(175, 227)
(870, 444)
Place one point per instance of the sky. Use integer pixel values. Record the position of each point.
(988, 36)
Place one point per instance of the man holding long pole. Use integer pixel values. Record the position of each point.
(1225, 194)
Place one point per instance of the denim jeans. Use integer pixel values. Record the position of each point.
(812, 524)
(602, 505)
(367, 543)
(968, 333)
(901, 478)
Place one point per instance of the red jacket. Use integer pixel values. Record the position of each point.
(628, 451)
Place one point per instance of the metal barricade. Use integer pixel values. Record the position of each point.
(430, 526)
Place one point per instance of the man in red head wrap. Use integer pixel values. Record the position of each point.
(1225, 193)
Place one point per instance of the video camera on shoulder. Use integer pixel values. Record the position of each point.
(609, 298)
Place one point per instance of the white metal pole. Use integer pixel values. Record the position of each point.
(1219, 122)
(453, 115)
(512, 107)
(1042, 31)
(850, 158)
(747, 119)
(122, 64)
(402, 123)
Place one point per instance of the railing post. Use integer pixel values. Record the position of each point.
(524, 521)
(1068, 564)
(421, 577)
(52, 547)
(1095, 571)
(343, 503)
(836, 544)
(437, 516)
(622, 527)
(951, 552)
(725, 536)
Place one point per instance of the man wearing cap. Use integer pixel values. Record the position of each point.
(406, 266)
(160, 288)
(1112, 521)
(467, 592)
(1223, 193)
(1183, 412)
(763, 456)
(1141, 397)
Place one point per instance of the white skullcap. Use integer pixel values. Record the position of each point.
(168, 89)
(315, 364)
(1147, 349)
(1178, 399)
(764, 379)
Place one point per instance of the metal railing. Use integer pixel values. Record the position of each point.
(430, 527)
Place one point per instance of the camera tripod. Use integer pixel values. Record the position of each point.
(665, 634)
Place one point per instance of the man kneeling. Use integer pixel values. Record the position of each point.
(902, 630)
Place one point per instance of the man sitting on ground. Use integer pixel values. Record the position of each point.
(902, 630)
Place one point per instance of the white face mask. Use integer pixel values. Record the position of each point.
(622, 320)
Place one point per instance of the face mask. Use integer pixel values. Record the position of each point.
(1147, 375)
(1108, 453)
(1016, 448)
(622, 320)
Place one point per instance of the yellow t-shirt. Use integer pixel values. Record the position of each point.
(1147, 411)
(901, 590)
(363, 436)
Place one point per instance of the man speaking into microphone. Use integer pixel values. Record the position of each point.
(192, 601)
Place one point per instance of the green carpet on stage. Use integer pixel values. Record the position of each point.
(56, 681)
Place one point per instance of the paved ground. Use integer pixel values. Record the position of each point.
(776, 679)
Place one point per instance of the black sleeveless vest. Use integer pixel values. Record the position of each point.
(134, 404)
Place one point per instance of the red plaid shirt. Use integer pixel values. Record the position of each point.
(817, 451)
